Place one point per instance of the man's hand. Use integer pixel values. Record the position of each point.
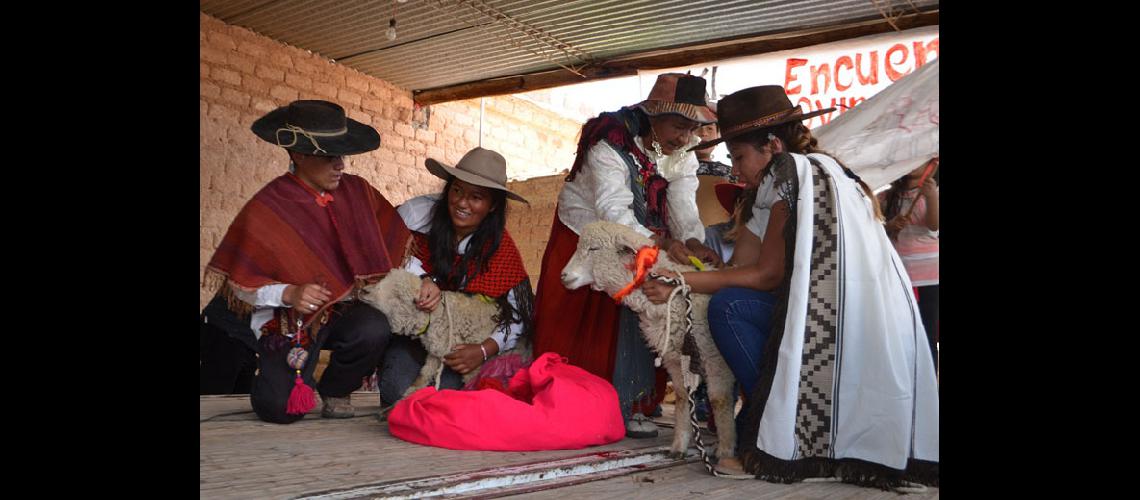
(429, 295)
(307, 298)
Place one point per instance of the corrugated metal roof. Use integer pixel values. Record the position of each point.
(447, 42)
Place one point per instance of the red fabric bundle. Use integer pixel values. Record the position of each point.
(550, 406)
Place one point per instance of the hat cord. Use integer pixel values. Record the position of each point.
(312, 136)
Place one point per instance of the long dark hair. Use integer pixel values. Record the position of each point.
(634, 119)
(484, 241)
(892, 197)
(797, 139)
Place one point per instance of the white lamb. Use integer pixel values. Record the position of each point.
(603, 261)
(459, 319)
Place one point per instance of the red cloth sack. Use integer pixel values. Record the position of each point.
(550, 405)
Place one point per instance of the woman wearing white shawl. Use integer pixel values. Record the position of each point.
(816, 318)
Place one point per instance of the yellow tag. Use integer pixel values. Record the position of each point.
(421, 332)
(485, 298)
(697, 263)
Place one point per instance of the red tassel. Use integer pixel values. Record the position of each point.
(301, 399)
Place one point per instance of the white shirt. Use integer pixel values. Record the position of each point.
(766, 196)
(417, 213)
(263, 300)
(601, 191)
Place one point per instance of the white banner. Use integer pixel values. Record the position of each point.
(838, 74)
(880, 138)
(890, 134)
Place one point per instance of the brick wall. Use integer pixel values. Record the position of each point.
(530, 226)
(245, 75)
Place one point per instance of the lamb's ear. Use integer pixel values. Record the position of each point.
(630, 241)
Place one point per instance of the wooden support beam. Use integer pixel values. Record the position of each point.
(672, 57)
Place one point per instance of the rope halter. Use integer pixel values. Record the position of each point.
(312, 136)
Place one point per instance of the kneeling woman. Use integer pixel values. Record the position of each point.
(461, 243)
(816, 320)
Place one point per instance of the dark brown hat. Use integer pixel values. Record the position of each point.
(316, 128)
(755, 108)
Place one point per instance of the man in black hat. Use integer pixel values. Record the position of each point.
(290, 264)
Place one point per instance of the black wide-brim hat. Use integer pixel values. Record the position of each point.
(316, 128)
(755, 108)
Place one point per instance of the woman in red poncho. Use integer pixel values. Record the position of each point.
(462, 244)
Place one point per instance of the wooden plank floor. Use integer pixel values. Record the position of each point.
(693, 481)
(242, 457)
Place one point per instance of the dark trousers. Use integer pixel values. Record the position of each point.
(226, 351)
(928, 309)
(402, 363)
(226, 364)
(357, 339)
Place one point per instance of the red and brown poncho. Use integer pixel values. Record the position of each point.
(286, 234)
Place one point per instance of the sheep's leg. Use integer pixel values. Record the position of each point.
(683, 429)
(721, 385)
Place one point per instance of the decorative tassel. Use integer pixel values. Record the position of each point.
(301, 399)
(646, 258)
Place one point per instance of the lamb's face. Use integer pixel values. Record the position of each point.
(395, 296)
(579, 271)
(604, 257)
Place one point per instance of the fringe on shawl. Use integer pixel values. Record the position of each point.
(848, 470)
(219, 283)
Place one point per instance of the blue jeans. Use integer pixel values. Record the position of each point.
(740, 320)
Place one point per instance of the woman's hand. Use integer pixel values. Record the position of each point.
(676, 250)
(466, 357)
(307, 298)
(429, 295)
(704, 253)
(929, 187)
(896, 224)
(656, 291)
(930, 192)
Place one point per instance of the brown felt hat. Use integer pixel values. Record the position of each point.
(481, 167)
(678, 94)
(755, 108)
